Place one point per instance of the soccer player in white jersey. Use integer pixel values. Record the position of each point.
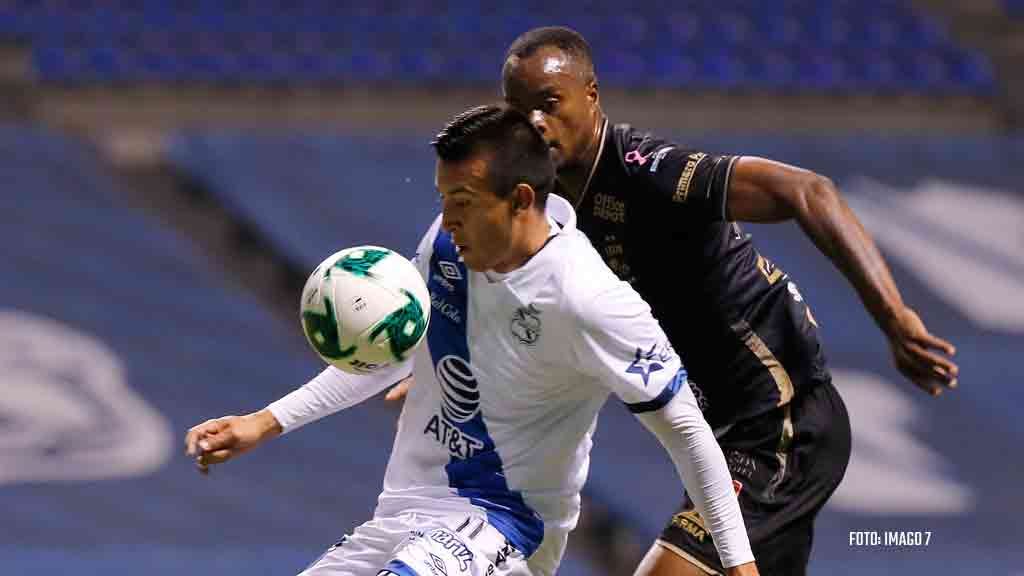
(529, 334)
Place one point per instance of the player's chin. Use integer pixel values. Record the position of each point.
(470, 260)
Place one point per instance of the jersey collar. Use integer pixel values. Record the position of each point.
(597, 162)
(559, 210)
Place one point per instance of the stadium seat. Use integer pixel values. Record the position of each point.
(421, 42)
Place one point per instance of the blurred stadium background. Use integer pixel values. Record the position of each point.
(171, 169)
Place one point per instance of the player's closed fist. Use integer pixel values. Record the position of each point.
(221, 439)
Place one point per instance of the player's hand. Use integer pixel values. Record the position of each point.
(923, 358)
(399, 391)
(221, 439)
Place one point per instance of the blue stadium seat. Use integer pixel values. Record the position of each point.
(424, 42)
(772, 69)
(972, 71)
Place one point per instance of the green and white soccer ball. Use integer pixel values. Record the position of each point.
(364, 308)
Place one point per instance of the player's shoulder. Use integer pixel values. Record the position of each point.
(643, 156)
(633, 144)
(578, 264)
(583, 276)
(627, 133)
(429, 237)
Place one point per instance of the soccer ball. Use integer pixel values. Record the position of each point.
(364, 308)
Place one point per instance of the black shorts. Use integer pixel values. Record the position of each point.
(785, 464)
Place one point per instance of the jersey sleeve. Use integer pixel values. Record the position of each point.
(623, 347)
(694, 181)
(688, 439)
(330, 391)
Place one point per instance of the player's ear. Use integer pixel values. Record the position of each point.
(523, 197)
(592, 93)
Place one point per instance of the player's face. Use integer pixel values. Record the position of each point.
(481, 223)
(559, 96)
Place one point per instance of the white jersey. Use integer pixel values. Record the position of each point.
(509, 383)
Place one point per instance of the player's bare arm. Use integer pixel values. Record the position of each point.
(766, 191)
(221, 439)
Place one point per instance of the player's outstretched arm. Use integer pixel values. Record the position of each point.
(622, 346)
(221, 439)
(762, 190)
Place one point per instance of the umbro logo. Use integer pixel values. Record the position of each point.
(658, 158)
(449, 270)
(439, 564)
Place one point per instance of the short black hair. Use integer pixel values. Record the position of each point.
(565, 39)
(520, 154)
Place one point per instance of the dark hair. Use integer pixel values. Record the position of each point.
(565, 39)
(519, 152)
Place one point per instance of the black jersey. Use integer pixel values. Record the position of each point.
(656, 213)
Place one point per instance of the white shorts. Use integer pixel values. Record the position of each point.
(419, 545)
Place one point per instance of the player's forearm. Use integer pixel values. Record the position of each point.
(838, 233)
(685, 434)
(330, 391)
(762, 190)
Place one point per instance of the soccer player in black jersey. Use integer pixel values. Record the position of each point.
(652, 209)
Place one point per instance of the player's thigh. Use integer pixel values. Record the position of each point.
(466, 544)
(662, 561)
(365, 550)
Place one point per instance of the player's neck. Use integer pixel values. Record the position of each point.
(573, 179)
(534, 235)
